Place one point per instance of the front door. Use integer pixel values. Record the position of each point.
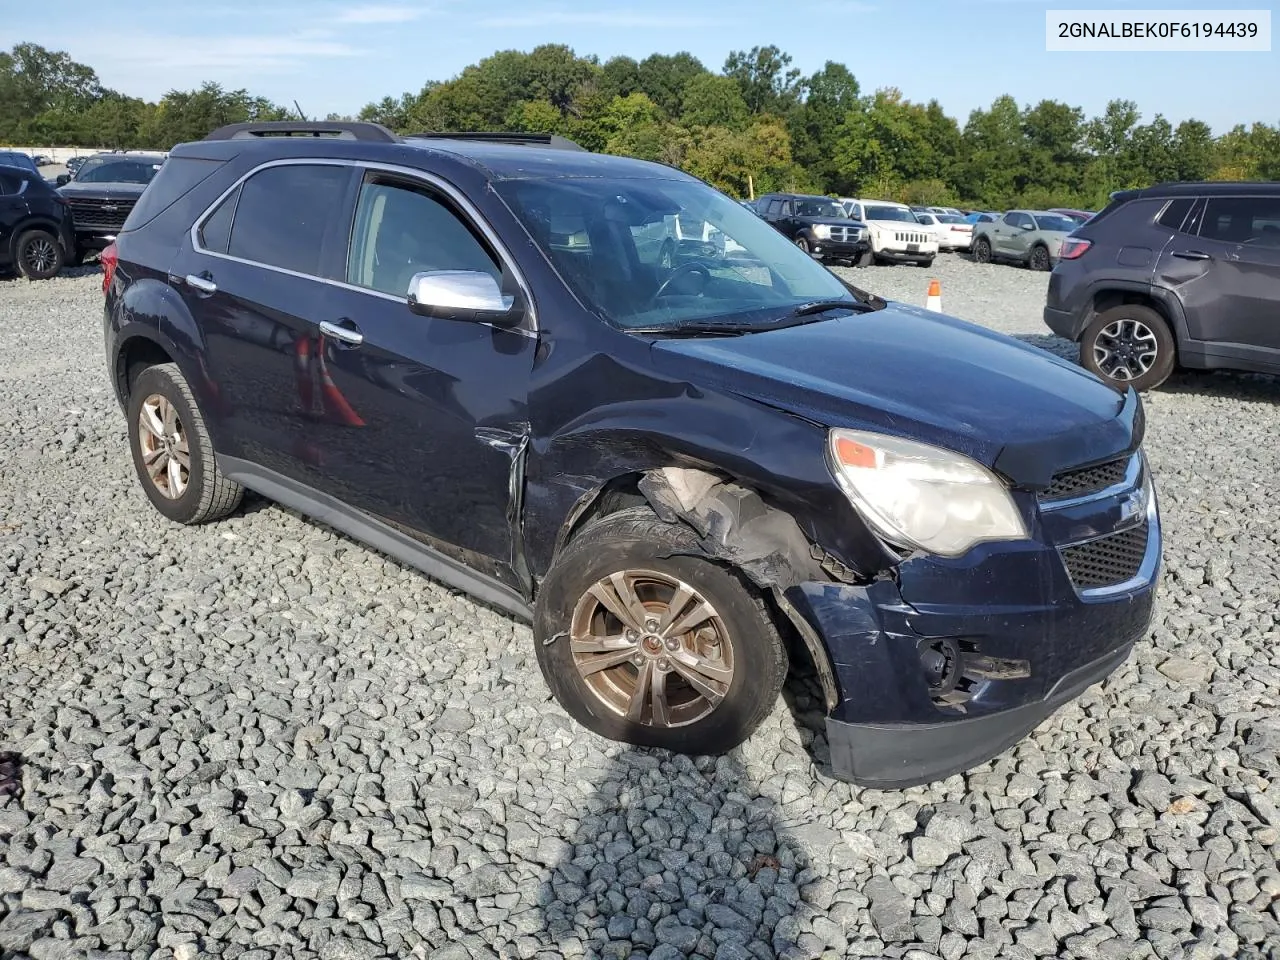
(439, 405)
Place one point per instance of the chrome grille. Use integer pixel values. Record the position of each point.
(97, 214)
(1086, 480)
(846, 234)
(1109, 560)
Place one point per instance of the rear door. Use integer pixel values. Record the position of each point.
(1233, 250)
(253, 280)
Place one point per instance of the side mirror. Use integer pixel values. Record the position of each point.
(1028, 227)
(63, 179)
(462, 295)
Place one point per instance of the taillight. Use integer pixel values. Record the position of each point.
(1073, 247)
(109, 257)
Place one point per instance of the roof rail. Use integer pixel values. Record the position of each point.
(338, 129)
(549, 140)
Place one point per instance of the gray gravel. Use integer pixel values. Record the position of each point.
(258, 739)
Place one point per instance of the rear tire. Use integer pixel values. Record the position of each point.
(39, 255)
(981, 250)
(1039, 259)
(735, 652)
(1129, 346)
(174, 457)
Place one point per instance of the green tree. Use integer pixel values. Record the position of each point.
(662, 78)
(767, 83)
(1193, 150)
(991, 149)
(1053, 160)
(831, 95)
(711, 101)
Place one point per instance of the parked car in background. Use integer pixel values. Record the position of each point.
(1177, 274)
(951, 232)
(1030, 237)
(817, 225)
(74, 164)
(36, 230)
(977, 216)
(16, 158)
(102, 194)
(1079, 216)
(945, 211)
(681, 477)
(895, 233)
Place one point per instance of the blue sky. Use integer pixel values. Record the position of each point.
(335, 56)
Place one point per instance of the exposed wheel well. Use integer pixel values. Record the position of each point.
(136, 355)
(1104, 300)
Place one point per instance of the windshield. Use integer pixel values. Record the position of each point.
(1055, 222)
(617, 246)
(117, 170)
(820, 208)
(890, 213)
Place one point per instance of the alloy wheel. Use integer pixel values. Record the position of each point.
(1039, 259)
(40, 255)
(1125, 349)
(166, 454)
(651, 648)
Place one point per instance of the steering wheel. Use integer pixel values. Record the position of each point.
(693, 266)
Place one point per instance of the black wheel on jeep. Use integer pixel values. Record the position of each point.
(1129, 346)
(172, 453)
(1040, 259)
(39, 255)
(982, 250)
(645, 646)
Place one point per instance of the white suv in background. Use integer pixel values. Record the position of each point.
(895, 233)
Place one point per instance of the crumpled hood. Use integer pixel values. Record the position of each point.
(910, 372)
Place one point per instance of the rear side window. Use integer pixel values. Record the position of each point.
(215, 233)
(1253, 220)
(1175, 213)
(10, 185)
(176, 177)
(283, 213)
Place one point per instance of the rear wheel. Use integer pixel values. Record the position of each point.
(648, 647)
(1040, 259)
(1129, 346)
(982, 250)
(172, 453)
(39, 255)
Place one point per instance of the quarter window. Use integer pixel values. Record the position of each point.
(215, 233)
(401, 230)
(283, 213)
(1175, 213)
(1254, 220)
(10, 185)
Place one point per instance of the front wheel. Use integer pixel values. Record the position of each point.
(648, 647)
(40, 255)
(925, 263)
(803, 244)
(982, 250)
(1129, 346)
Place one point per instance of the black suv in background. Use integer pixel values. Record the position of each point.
(36, 233)
(102, 193)
(817, 225)
(682, 472)
(1176, 274)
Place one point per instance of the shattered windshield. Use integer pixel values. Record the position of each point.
(626, 249)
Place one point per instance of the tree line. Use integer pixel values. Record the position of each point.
(756, 124)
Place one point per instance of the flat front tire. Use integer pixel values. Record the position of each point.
(172, 454)
(649, 648)
(1129, 346)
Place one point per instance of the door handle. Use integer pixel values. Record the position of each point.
(1191, 255)
(203, 284)
(345, 334)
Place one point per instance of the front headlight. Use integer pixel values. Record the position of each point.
(922, 497)
(822, 231)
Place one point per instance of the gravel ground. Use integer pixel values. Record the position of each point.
(258, 739)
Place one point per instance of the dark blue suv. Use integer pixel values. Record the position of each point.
(468, 351)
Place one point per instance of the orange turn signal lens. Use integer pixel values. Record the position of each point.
(853, 454)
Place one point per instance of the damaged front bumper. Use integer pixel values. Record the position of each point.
(952, 662)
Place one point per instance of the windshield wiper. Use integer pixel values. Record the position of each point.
(822, 306)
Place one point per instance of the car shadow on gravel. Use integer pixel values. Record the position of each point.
(675, 856)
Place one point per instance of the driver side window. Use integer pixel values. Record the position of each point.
(402, 229)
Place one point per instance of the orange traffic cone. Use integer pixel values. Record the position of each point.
(332, 398)
(934, 300)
